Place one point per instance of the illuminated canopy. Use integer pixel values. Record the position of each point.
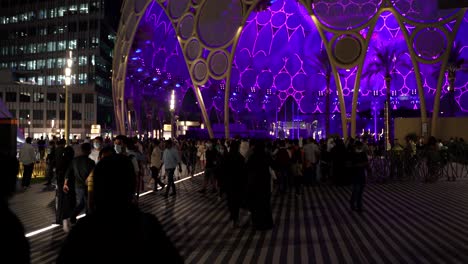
(263, 58)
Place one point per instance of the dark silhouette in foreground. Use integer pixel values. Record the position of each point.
(117, 232)
(15, 246)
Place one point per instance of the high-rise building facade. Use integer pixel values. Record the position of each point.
(35, 39)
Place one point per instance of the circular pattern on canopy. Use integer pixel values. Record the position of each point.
(429, 43)
(218, 61)
(200, 71)
(464, 101)
(177, 7)
(193, 49)
(186, 26)
(422, 10)
(347, 49)
(345, 14)
(212, 27)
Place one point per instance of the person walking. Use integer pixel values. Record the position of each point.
(79, 170)
(27, 156)
(259, 188)
(50, 160)
(236, 181)
(171, 160)
(156, 164)
(64, 201)
(360, 164)
(117, 231)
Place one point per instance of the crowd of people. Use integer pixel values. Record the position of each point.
(103, 176)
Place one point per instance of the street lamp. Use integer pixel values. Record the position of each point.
(172, 109)
(29, 126)
(68, 74)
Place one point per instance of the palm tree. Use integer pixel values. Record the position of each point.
(322, 64)
(455, 64)
(386, 59)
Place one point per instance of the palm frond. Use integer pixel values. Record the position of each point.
(320, 62)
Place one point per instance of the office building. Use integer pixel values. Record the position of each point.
(36, 39)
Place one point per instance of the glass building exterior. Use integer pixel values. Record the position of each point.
(36, 38)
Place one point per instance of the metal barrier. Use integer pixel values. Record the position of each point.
(449, 163)
(40, 169)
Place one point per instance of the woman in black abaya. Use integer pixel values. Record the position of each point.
(259, 191)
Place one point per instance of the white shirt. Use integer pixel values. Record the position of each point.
(311, 152)
(94, 155)
(27, 154)
(156, 157)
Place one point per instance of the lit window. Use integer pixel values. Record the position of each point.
(32, 48)
(82, 61)
(50, 80)
(61, 11)
(52, 13)
(92, 60)
(94, 42)
(43, 31)
(50, 63)
(73, 9)
(51, 46)
(14, 19)
(4, 51)
(62, 45)
(41, 47)
(72, 44)
(31, 65)
(42, 14)
(23, 17)
(40, 80)
(60, 63)
(60, 30)
(60, 79)
(84, 8)
(41, 64)
(83, 78)
(38, 97)
(22, 65)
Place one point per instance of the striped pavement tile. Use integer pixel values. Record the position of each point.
(403, 223)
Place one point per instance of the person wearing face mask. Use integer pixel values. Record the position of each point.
(97, 147)
(360, 164)
(119, 144)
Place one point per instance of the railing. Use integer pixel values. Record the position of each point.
(424, 166)
(40, 168)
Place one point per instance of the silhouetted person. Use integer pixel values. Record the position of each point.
(65, 202)
(79, 170)
(15, 246)
(259, 190)
(359, 165)
(236, 181)
(117, 232)
(27, 156)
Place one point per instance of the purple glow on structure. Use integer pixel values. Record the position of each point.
(272, 61)
(159, 60)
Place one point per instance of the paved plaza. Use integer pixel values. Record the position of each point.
(403, 223)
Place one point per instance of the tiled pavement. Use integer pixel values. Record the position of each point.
(403, 223)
